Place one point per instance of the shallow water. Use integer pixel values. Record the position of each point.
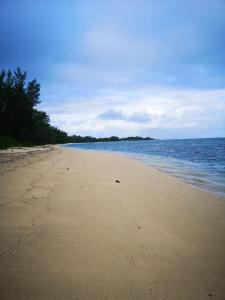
(200, 162)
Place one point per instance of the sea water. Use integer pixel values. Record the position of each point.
(200, 162)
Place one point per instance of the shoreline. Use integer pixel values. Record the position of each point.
(150, 162)
(69, 230)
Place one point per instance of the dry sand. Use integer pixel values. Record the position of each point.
(69, 231)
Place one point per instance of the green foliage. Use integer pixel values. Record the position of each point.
(7, 142)
(19, 119)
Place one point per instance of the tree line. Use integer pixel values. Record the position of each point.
(90, 139)
(21, 122)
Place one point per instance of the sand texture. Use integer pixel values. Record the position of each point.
(69, 231)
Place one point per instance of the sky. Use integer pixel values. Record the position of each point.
(133, 67)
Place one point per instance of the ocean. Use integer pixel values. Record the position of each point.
(200, 162)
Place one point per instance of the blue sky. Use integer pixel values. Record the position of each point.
(132, 67)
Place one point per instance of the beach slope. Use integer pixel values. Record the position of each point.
(88, 225)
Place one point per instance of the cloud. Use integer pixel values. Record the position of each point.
(159, 112)
(140, 117)
(111, 45)
(136, 117)
(122, 67)
(175, 42)
(112, 115)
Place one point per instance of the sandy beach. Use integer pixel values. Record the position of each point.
(68, 230)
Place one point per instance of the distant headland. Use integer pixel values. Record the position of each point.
(90, 139)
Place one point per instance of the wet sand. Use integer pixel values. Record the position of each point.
(68, 230)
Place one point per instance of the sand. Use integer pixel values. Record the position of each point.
(69, 231)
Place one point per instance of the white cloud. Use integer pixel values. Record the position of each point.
(168, 110)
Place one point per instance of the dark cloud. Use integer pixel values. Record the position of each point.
(137, 117)
(112, 115)
(36, 34)
(173, 42)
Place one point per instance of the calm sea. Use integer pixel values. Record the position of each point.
(200, 162)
